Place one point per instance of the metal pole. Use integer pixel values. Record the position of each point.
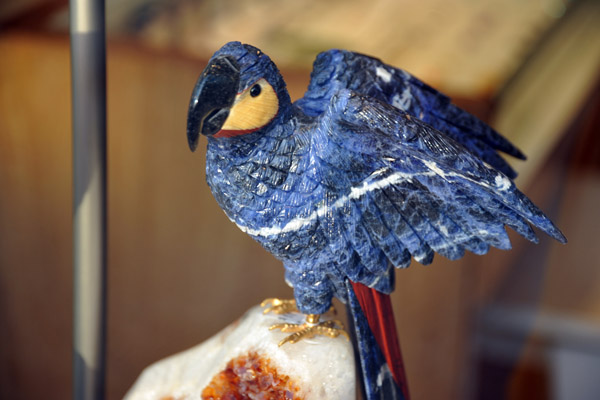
(88, 77)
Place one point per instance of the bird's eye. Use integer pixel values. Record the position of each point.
(255, 90)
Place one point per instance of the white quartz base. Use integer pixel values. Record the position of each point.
(321, 367)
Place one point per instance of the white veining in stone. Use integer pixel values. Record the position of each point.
(384, 74)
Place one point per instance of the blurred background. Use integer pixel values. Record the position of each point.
(523, 324)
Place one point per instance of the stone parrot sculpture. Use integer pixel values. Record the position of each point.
(370, 169)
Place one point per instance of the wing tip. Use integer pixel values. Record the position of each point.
(516, 153)
(558, 235)
(547, 226)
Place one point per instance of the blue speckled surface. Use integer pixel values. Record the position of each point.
(371, 169)
(342, 184)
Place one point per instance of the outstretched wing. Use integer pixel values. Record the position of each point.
(339, 69)
(396, 187)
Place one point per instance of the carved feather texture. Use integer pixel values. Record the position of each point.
(369, 170)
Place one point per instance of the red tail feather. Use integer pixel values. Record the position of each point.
(377, 307)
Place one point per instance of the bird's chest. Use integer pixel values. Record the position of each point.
(273, 194)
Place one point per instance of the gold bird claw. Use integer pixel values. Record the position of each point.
(331, 328)
(279, 306)
(311, 328)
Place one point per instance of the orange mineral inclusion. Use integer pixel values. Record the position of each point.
(250, 377)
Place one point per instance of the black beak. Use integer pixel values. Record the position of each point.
(212, 98)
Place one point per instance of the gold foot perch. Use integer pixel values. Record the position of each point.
(311, 328)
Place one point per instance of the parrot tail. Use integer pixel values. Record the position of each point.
(377, 343)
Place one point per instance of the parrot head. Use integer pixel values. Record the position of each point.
(240, 91)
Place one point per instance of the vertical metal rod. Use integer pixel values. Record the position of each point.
(88, 79)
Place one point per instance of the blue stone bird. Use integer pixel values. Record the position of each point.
(370, 169)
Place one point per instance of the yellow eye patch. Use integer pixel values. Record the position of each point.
(253, 108)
